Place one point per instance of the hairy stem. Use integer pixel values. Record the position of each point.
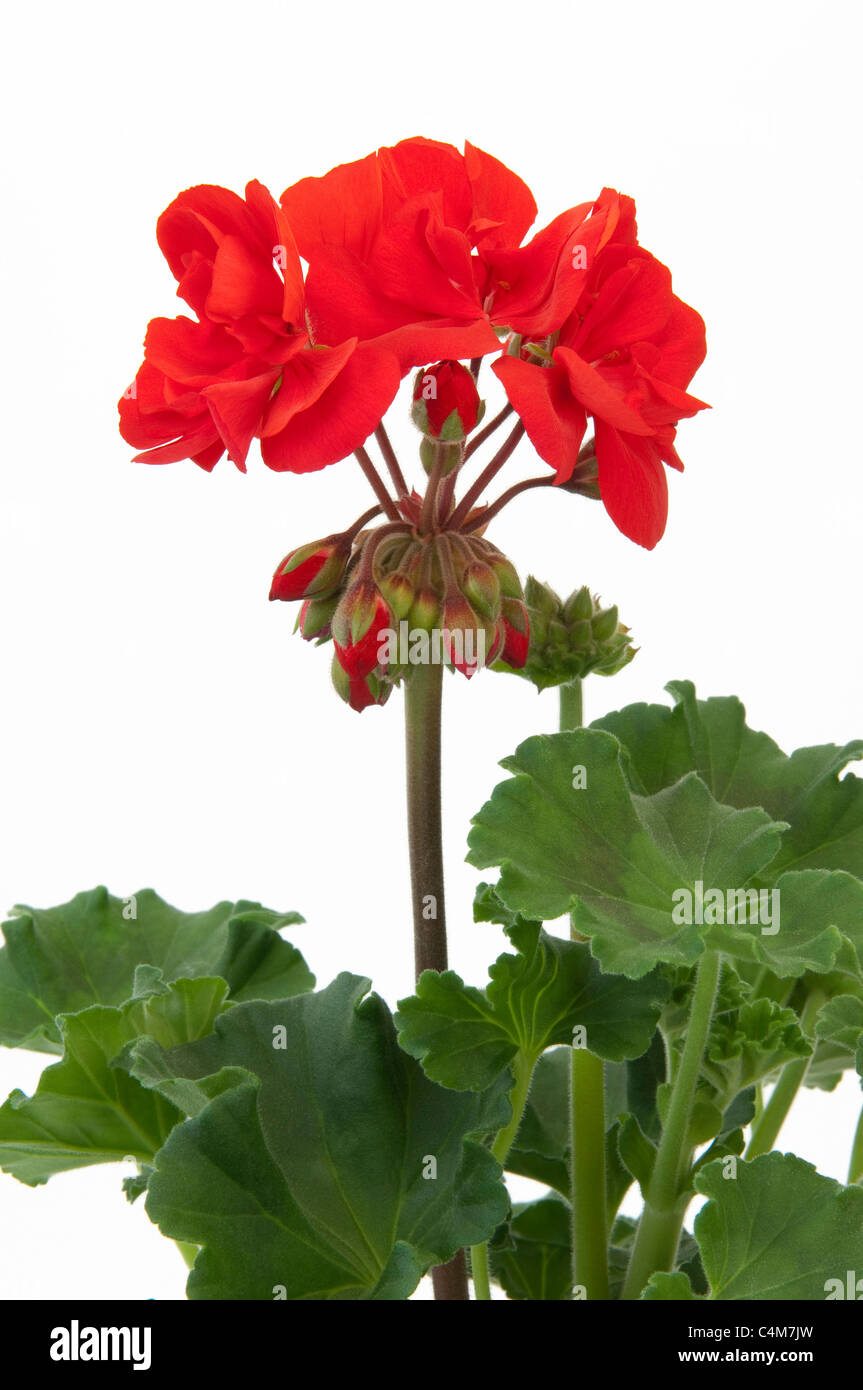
(377, 483)
(855, 1168)
(487, 431)
(423, 691)
(391, 460)
(659, 1229)
(587, 1120)
(486, 476)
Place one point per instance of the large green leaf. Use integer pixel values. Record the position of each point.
(85, 1110)
(337, 1170)
(778, 1230)
(63, 959)
(617, 857)
(745, 768)
(655, 878)
(465, 1037)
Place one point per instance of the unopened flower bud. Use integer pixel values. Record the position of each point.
(311, 570)
(358, 691)
(466, 636)
(446, 403)
(316, 617)
(517, 633)
(481, 587)
(573, 639)
(398, 592)
(358, 623)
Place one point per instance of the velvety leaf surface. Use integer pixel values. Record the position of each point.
(618, 859)
(745, 768)
(85, 1110)
(314, 1176)
(779, 1230)
(465, 1037)
(61, 960)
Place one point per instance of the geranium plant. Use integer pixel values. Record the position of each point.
(303, 1143)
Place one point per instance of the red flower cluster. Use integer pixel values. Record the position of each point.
(415, 254)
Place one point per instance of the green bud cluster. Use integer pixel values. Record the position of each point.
(572, 638)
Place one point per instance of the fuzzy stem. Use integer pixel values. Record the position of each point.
(765, 1130)
(377, 483)
(423, 691)
(855, 1168)
(487, 431)
(523, 1071)
(486, 476)
(391, 460)
(658, 1232)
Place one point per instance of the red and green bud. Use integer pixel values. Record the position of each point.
(466, 637)
(311, 570)
(316, 616)
(516, 625)
(398, 592)
(360, 620)
(481, 586)
(505, 573)
(358, 691)
(446, 403)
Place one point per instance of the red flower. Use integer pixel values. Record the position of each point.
(310, 571)
(416, 247)
(250, 366)
(624, 356)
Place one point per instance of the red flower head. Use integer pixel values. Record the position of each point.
(358, 625)
(624, 356)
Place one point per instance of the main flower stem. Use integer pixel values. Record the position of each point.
(659, 1229)
(765, 1130)
(587, 1121)
(423, 690)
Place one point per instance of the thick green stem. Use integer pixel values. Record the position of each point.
(765, 1130)
(588, 1176)
(423, 692)
(523, 1071)
(855, 1168)
(658, 1232)
(587, 1121)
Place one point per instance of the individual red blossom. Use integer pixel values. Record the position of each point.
(417, 248)
(250, 367)
(442, 393)
(624, 356)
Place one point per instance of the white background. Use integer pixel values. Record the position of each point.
(161, 725)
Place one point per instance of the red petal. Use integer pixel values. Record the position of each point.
(341, 209)
(237, 407)
(554, 420)
(500, 198)
(419, 166)
(632, 484)
(339, 419)
(597, 395)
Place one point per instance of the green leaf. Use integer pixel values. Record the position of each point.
(669, 1288)
(779, 1230)
(314, 1177)
(465, 1037)
(61, 960)
(745, 768)
(86, 1110)
(539, 1263)
(840, 1021)
(618, 858)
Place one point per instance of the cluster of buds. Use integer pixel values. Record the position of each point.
(570, 638)
(391, 599)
